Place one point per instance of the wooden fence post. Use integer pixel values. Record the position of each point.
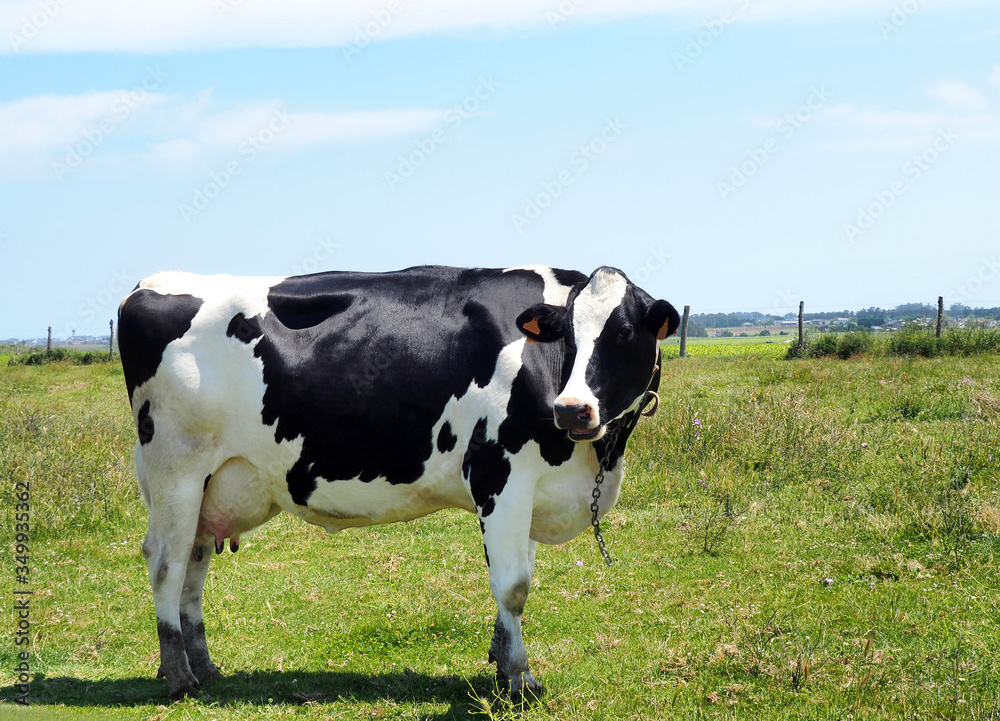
(802, 309)
(684, 331)
(111, 342)
(940, 315)
(48, 345)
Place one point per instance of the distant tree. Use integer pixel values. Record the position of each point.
(765, 332)
(869, 317)
(726, 334)
(697, 330)
(957, 310)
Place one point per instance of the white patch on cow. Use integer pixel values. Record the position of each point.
(555, 293)
(591, 310)
(222, 288)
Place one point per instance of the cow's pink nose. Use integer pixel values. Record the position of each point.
(572, 413)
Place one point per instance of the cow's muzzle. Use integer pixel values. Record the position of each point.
(579, 418)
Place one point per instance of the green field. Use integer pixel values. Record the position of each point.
(797, 539)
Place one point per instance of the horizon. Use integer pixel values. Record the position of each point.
(948, 313)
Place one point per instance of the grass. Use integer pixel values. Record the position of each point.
(812, 540)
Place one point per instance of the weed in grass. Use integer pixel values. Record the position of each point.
(712, 514)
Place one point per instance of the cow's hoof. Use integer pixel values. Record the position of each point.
(208, 673)
(192, 691)
(524, 689)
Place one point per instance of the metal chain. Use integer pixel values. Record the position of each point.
(611, 438)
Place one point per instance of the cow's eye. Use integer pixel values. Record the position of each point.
(626, 333)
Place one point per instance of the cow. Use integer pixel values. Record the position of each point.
(351, 399)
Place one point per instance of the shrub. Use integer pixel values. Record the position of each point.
(914, 341)
(958, 341)
(855, 343)
(69, 356)
(823, 346)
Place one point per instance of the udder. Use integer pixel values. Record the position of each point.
(237, 500)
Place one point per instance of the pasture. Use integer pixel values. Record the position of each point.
(811, 539)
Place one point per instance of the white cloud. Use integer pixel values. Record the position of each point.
(113, 26)
(44, 136)
(878, 131)
(957, 94)
(994, 78)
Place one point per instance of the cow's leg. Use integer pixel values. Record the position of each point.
(510, 554)
(173, 520)
(192, 624)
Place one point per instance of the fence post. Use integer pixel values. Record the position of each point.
(802, 310)
(111, 341)
(940, 315)
(684, 331)
(48, 345)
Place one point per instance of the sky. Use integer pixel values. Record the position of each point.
(731, 155)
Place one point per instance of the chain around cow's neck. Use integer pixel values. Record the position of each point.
(611, 440)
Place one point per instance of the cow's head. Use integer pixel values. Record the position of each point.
(610, 328)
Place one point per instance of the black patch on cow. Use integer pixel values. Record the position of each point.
(243, 329)
(298, 311)
(207, 479)
(144, 424)
(529, 411)
(360, 366)
(147, 322)
(486, 553)
(570, 278)
(487, 469)
(446, 439)
(621, 367)
(500, 648)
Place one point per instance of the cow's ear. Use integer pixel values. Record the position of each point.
(542, 323)
(662, 319)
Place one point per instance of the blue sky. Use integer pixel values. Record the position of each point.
(736, 155)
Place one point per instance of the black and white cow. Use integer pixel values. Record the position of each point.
(351, 399)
